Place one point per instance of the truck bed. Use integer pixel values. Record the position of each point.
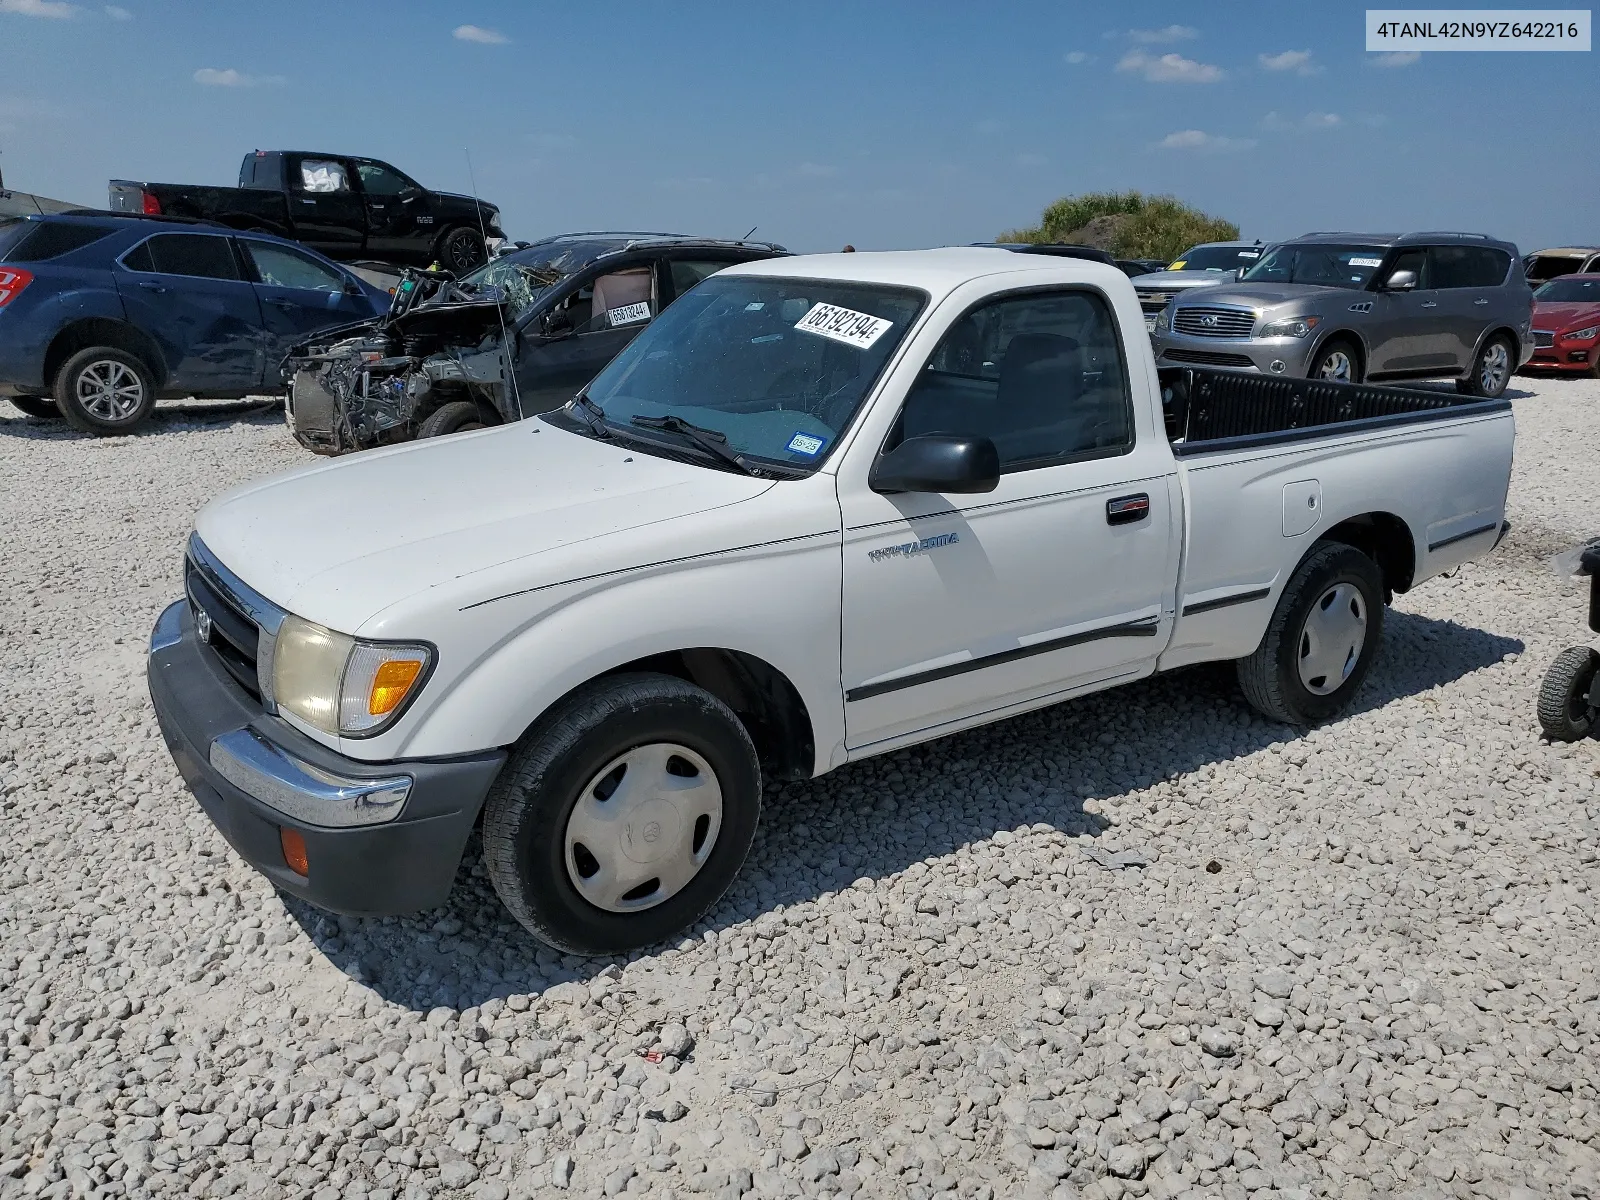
(239, 208)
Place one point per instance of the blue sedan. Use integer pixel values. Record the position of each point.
(102, 314)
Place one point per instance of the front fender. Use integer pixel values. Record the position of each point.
(778, 602)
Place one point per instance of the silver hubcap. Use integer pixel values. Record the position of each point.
(1336, 366)
(1331, 639)
(643, 827)
(1496, 363)
(110, 390)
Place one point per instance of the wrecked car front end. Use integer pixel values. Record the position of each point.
(360, 386)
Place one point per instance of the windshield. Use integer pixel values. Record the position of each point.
(526, 275)
(776, 366)
(1318, 263)
(1215, 258)
(1551, 266)
(1573, 289)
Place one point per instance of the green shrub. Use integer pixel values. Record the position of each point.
(1129, 224)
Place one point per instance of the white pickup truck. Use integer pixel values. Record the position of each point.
(824, 507)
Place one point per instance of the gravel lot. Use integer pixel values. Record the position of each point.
(1359, 961)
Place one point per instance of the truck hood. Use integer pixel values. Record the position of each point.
(1172, 281)
(1265, 295)
(339, 542)
(487, 207)
(1558, 318)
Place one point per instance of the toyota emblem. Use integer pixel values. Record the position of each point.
(202, 624)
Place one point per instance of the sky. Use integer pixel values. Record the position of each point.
(885, 125)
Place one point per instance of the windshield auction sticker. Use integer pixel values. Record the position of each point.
(844, 325)
(1410, 30)
(628, 314)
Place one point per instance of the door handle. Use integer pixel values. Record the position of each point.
(306, 200)
(153, 287)
(1125, 510)
(286, 305)
(1429, 304)
(1480, 302)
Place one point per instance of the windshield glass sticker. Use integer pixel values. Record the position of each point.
(1366, 262)
(805, 443)
(628, 314)
(907, 549)
(755, 306)
(1249, 254)
(844, 325)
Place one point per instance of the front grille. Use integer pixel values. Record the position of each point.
(1152, 301)
(1208, 358)
(1203, 321)
(234, 636)
(1543, 337)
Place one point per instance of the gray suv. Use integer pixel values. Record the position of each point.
(1355, 307)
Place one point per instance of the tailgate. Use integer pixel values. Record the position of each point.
(126, 197)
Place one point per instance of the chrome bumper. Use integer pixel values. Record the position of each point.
(298, 790)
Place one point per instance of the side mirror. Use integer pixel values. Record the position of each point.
(1238, 273)
(353, 287)
(938, 462)
(1400, 281)
(556, 325)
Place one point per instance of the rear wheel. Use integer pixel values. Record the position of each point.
(461, 250)
(1337, 362)
(1321, 640)
(36, 406)
(1565, 711)
(459, 416)
(624, 815)
(103, 390)
(1491, 369)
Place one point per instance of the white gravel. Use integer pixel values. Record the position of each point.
(1359, 962)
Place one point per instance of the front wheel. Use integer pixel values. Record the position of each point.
(103, 391)
(458, 416)
(624, 814)
(1321, 640)
(462, 250)
(36, 406)
(1491, 370)
(1566, 708)
(1337, 362)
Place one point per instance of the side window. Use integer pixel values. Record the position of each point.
(282, 267)
(197, 254)
(1040, 375)
(1489, 267)
(626, 297)
(323, 175)
(687, 272)
(379, 180)
(54, 239)
(1452, 266)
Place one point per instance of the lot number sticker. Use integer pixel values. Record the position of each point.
(844, 325)
(1366, 262)
(628, 314)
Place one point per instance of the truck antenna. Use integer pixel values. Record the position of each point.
(507, 350)
(746, 237)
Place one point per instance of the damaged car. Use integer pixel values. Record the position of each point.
(517, 337)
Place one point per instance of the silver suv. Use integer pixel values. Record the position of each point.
(1199, 266)
(1357, 307)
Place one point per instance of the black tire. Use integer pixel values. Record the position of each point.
(461, 250)
(1565, 713)
(119, 409)
(1492, 369)
(458, 416)
(1328, 358)
(1272, 678)
(558, 764)
(36, 406)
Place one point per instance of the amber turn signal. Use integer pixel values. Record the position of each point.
(391, 683)
(294, 852)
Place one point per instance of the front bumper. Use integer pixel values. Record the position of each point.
(1279, 356)
(381, 838)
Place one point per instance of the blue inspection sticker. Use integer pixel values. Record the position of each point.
(807, 444)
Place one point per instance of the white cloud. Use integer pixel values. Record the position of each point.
(1169, 68)
(1298, 61)
(1155, 37)
(1396, 58)
(39, 8)
(477, 33)
(1323, 120)
(1078, 57)
(117, 13)
(212, 77)
(1312, 120)
(1196, 139)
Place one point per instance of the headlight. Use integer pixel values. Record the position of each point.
(342, 686)
(494, 221)
(1164, 317)
(1581, 335)
(1295, 327)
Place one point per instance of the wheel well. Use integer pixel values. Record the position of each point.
(1386, 540)
(1351, 339)
(102, 331)
(1516, 342)
(767, 704)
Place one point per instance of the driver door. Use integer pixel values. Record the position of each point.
(396, 210)
(583, 330)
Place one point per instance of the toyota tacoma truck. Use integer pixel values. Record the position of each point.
(348, 208)
(822, 508)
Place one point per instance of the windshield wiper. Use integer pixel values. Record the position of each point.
(591, 414)
(712, 441)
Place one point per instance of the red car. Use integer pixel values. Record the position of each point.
(1566, 325)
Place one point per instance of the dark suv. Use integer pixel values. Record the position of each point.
(1353, 307)
(101, 314)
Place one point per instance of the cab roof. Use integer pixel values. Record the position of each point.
(937, 272)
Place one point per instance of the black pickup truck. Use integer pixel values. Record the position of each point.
(348, 208)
